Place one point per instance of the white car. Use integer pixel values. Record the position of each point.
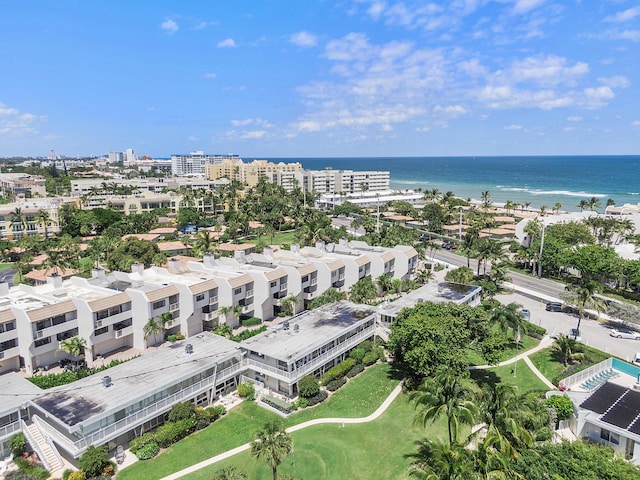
(624, 333)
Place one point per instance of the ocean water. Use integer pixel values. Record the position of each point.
(544, 180)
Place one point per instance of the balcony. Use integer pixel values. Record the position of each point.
(10, 352)
(173, 307)
(209, 317)
(283, 287)
(213, 300)
(123, 332)
(249, 294)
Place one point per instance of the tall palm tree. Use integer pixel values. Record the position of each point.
(486, 199)
(74, 346)
(18, 220)
(444, 395)
(153, 327)
(566, 348)
(438, 461)
(43, 218)
(585, 297)
(289, 303)
(272, 444)
(508, 317)
(556, 208)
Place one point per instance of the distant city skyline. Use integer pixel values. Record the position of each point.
(265, 79)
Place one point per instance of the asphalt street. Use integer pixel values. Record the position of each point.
(594, 333)
(6, 275)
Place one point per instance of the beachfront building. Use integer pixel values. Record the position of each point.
(369, 198)
(606, 401)
(308, 344)
(101, 188)
(14, 409)
(250, 173)
(195, 163)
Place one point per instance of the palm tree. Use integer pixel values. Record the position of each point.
(566, 348)
(594, 203)
(438, 461)
(204, 242)
(43, 218)
(508, 317)
(153, 327)
(486, 200)
(585, 297)
(230, 473)
(445, 395)
(272, 444)
(556, 208)
(582, 205)
(74, 346)
(18, 220)
(424, 275)
(289, 303)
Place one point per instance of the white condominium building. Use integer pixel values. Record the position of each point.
(195, 163)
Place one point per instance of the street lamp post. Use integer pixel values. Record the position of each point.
(541, 247)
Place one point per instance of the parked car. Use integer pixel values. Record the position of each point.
(624, 333)
(526, 314)
(575, 334)
(449, 245)
(636, 359)
(424, 237)
(554, 307)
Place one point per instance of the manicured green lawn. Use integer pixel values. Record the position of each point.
(526, 343)
(359, 398)
(551, 367)
(278, 239)
(374, 450)
(5, 265)
(517, 374)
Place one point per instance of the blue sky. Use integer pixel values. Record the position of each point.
(311, 78)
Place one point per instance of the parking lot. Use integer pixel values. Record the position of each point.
(593, 333)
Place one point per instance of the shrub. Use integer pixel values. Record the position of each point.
(141, 441)
(371, 358)
(367, 345)
(562, 405)
(248, 334)
(18, 444)
(182, 410)
(247, 390)
(77, 475)
(338, 371)
(535, 331)
(94, 460)
(321, 396)
(250, 322)
(171, 432)
(357, 354)
(150, 450)
(308, 386)
(66, 473)
(334, 385)
(355, 370)
(303, 403)
(30, 469)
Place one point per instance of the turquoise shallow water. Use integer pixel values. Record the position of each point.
(538, 180)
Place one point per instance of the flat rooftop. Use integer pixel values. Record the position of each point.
(17, 391)
(81, 401)
(431, 292)
(308, 331)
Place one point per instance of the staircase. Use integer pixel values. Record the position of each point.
(46, 451)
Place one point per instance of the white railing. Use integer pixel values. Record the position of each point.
(318, 361)
(124, 331)
(578, 378)
(10, 428)
(64, 441)
(283, 287)
(36, 446)
(156, 408)
(173, 307)
(249, 294)
(213, 300)
(314, 281)
(39, 425)
(210, 316)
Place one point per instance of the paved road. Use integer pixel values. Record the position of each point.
(6, 275)
(594, 333)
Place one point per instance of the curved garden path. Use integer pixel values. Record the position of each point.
(318, 421)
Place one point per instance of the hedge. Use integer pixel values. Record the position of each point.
(246, 334)
(338, 371)
(371, 357)
(278, 404)
(150, 450)
(355, 370)
(250, 322)
(334, 385)
(320, 397)
(535, 331)
(51, 380)
(308, 386)
(171, 432)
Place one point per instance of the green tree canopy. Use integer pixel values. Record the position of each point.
(130, 251)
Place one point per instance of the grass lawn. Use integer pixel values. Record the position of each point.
(278, 239)
(374, 450)
(526, 343)
(5, 265)
(524, 377)
(359, 398)
(548, 364)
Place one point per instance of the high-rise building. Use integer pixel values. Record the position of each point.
(195, 163)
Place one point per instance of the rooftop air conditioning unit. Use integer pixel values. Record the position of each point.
(188, 349)
(106, 381)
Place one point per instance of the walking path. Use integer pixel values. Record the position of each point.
(319, 421)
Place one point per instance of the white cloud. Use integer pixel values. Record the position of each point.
(633, 35)
(618, 81)
(635, 124)
(304, 39)
(624, 16)
(242, 123)
(192, 138)
(550, 69)
(451, 111)
(513, 127)
(524, 6)
(169, 26)
(209, 75)
(200, 26)
(574, 118)
(254, 134)
(227, 43)
(15, 123)
(599, 93)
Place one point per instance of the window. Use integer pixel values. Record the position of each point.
(101, 331)
(200, 297)
(610, 437)
(160, 304)
(237, 291)
(273, 284)
(305, 278)
(42, 341)
(7, 327)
